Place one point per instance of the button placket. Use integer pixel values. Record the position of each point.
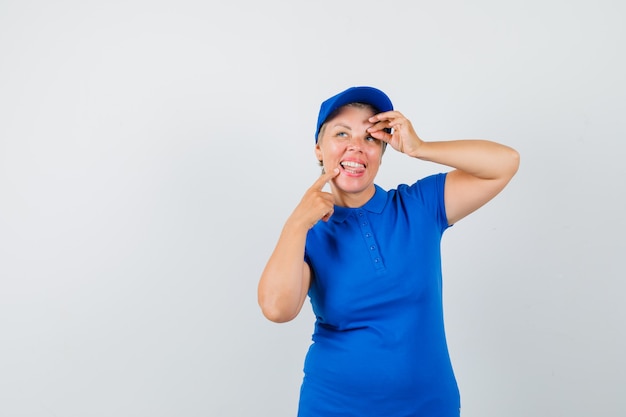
(370, 242)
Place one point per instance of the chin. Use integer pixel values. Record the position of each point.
(352, 186)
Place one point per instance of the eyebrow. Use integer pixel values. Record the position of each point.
(342, 125)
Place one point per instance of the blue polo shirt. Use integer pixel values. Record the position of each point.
(379, 346)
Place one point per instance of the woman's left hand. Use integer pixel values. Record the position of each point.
(402, 138)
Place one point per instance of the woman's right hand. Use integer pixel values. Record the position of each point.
(316, 204)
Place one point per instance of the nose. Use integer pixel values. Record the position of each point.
(356, 142)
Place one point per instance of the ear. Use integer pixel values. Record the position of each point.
(318, 152)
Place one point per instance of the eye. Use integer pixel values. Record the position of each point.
(371, 139)
(341, 134)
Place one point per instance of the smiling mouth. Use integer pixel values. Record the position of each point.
(352, 167)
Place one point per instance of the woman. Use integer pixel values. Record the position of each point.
(372, 266)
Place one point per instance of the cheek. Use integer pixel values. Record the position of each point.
(376, 155)
(330, 152)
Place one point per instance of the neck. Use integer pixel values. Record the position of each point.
(353, 200)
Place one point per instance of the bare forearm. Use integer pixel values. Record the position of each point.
(480, 158)
(281, 285)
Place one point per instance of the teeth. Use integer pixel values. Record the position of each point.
(352, 164)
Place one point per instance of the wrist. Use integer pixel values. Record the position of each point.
(297, 226)
(419, 151)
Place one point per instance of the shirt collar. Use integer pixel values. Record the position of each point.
(376, 204)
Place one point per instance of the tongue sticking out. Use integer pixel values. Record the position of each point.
(352, 167)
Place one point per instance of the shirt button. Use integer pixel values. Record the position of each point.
(372, 247)
(376, 260)
(368, 235)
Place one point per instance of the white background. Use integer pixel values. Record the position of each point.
(150, 152)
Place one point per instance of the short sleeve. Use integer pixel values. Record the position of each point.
(429, 191)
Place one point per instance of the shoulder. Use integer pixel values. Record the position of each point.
(425, 188)
(426, 195)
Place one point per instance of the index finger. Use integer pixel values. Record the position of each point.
(324, 178)
(387, 115)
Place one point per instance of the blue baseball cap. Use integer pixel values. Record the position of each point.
(368, 95)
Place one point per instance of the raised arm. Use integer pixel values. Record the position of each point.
(482, 168)
(286, 278)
